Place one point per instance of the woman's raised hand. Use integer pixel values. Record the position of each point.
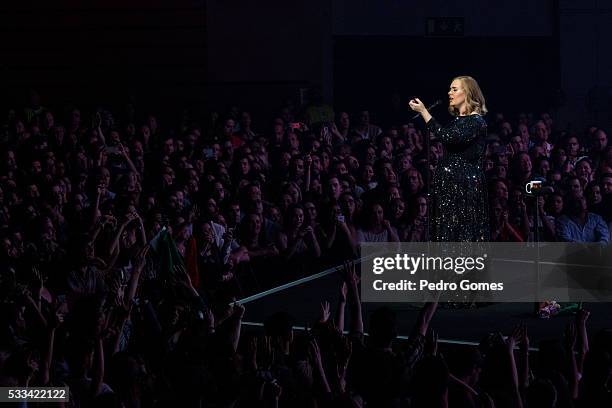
(417, 106)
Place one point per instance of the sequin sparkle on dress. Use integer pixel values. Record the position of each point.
(459, 204)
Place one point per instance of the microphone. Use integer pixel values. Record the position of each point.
(433, 105)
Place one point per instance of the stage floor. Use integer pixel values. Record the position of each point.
(463, 325)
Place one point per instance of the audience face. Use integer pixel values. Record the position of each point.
(36, 167)
(279, 132)
(345, 186)
(517, 144)
(334, 187)
(405, 163)
(245, 120)
(294, 193)
(377, 215)
(595, 195)
(393, 193)
(316, 164)
(525, 164)
(421, 203)
(285, 160)
(523, 131)
(397, 208)
(211, 207)
(544, 168)
(76, 119)
(386, 145)
(234, 214)
(572, 147)
(146, 134)
(501, 190)
(347, 204)
(152, 123)
(285, 202)
(344, 121)
(104, 178)
(600, 140)
(578, 205)
(245, 166)
(583, 170)
(58, 195)
(316, 187)
(258, 208)
(517, 198)
(169, 147)
(275, 215)
(499, 213)
(537, 152)
(293, 141)
(341, 169)
(370, 155)
(567, 169)
(353, 164)
(218, 191)
(310, 212)
(286, 115)
(606, 184)
(298, 167)
(227, 152)
(559, 157)
(10, 160)
(414, 183)
(19, 128)
(506, 129)
(502, 159)
(364, 118)
(254, 193)
(33, 192)
(228, 127)
(556, 204)
(575, 188)
(253, 223)
(297, 218)
(541, 132)
(390, 176)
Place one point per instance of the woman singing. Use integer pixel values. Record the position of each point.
(459, 210)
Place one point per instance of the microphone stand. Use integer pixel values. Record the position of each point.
(536, 240)
(428, 169)
(537, 220)
(427, 180)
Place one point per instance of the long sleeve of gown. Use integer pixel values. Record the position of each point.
(463, 132)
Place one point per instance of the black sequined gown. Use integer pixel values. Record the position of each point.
(459, 207)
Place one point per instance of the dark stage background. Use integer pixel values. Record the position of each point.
(148, 52)
(368, 70)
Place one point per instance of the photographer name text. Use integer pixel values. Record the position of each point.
(441, 285)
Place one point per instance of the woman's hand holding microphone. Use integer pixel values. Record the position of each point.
(419, 107)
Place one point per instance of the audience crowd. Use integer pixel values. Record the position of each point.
(127, 241)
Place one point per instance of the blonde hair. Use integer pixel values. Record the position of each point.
(474, 99)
